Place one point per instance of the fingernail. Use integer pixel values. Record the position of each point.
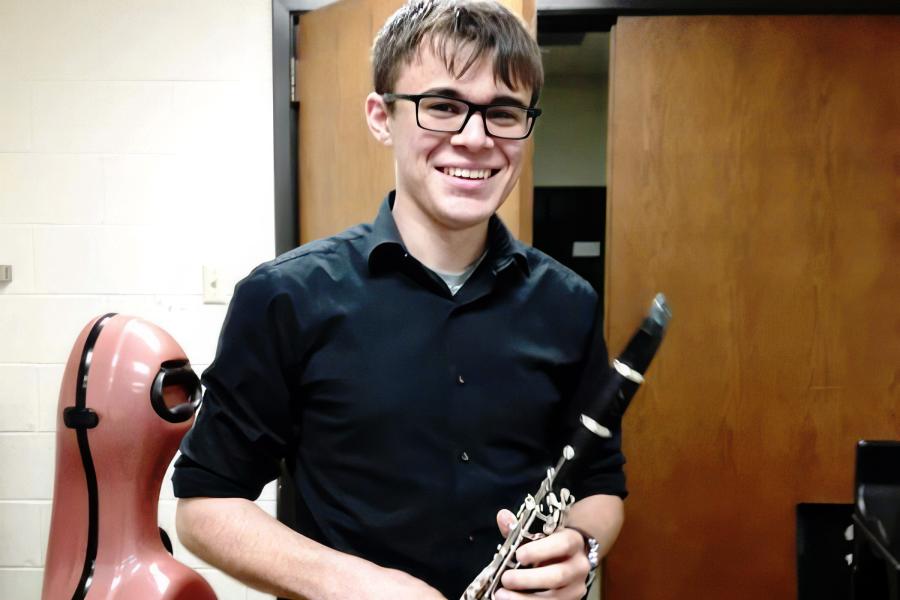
(501, 595)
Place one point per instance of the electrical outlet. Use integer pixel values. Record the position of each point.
(215, 290)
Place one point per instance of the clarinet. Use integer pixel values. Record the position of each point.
(605, 400)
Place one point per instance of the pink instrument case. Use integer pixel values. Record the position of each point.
(127, 398)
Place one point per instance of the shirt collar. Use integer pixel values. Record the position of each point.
(384, 244)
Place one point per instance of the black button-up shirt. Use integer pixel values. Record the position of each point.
(408, 415)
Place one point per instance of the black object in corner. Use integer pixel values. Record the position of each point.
(876, 519)
(823, 572)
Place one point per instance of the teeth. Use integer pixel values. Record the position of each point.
(467, 173)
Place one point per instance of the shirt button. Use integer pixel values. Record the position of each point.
(460, 379)
(464, 456)
(471, 538)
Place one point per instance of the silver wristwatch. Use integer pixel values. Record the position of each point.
(592, 547)
(593, 555)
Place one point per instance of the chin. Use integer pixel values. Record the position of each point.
(466, 212)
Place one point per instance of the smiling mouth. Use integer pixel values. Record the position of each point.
(471, 174)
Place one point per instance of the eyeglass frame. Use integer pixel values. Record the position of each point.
(532, 112)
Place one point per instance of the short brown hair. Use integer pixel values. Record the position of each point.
(481, 26)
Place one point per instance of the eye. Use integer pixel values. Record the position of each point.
(444, 107)
(506, 114)
(439, 107)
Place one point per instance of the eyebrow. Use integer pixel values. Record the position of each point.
(452, 93)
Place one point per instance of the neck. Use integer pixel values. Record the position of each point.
(437, 247)
(128, 515)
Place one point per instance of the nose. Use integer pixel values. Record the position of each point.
(474, 134)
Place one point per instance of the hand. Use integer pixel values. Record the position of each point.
(377, 583)
(397, 585)
(558, 566)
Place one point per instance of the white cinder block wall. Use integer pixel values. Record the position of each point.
(135, 147)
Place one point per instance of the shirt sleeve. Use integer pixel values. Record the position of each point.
(602, 472)
(244, 426)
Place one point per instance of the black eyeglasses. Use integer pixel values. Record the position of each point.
(451, 115)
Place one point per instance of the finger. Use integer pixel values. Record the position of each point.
(553, 548)
(574, 591)
(505, 521)
(555, 576)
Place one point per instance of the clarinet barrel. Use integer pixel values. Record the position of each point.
(604, 400)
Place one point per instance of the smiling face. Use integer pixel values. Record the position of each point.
(451, 182)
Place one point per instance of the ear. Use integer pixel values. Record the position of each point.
(378, 118)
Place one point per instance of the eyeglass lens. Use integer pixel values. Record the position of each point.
(444, 114)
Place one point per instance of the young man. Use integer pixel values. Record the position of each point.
(413, 372)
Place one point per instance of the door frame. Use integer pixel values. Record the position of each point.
(286, 12)
(284, 110)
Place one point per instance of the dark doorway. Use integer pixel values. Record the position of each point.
(570, 226)
(570, 143)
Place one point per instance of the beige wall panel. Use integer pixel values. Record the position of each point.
(753, 178)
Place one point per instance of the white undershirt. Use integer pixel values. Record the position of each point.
(455, 281)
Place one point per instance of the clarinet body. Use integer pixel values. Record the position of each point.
(604, 401)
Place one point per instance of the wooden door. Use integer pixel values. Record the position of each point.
(753, 177)
(343, 172)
